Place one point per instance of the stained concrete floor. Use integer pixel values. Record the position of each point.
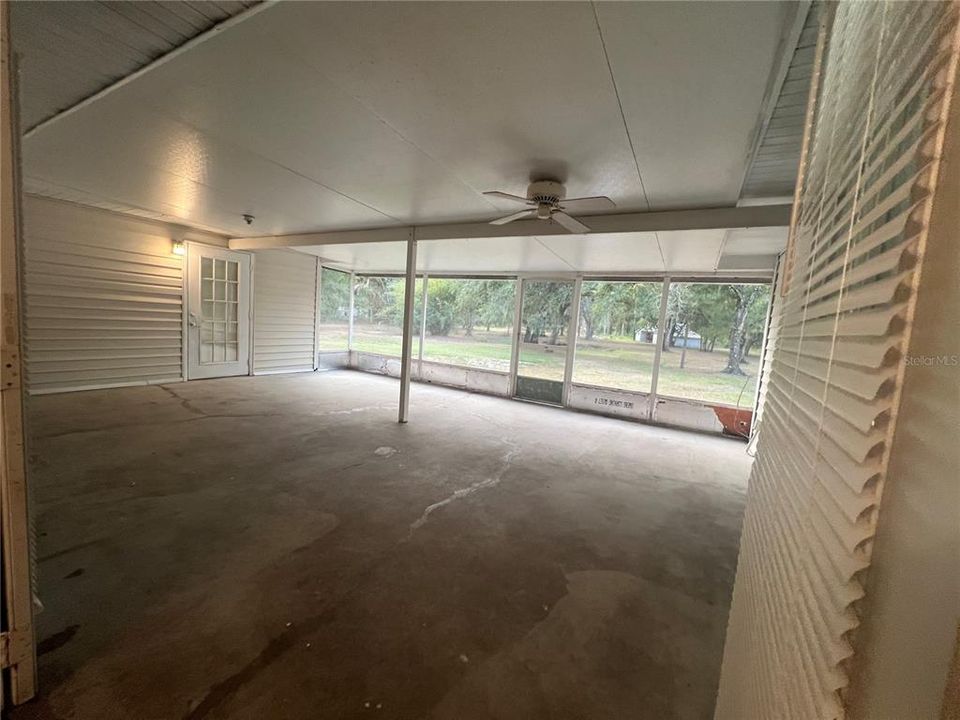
(279, 547)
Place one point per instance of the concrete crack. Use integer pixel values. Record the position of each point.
(351, 411)
(470, 489)
(124, 426)
(184, 402)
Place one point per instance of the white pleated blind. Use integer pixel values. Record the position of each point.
(772, 338)
(285, 306)
(855, 256)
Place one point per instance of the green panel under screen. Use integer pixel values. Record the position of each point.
(540, 390)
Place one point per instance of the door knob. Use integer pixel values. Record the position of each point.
(193, 320)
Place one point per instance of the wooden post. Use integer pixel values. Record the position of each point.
(406, 353)
(19, 642)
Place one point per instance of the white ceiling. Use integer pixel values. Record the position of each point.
(325, 116)
(693, 251)
(75, 49)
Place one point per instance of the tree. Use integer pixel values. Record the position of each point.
(334, 296)
(489, 302)
(679, 302)
(586, 314)
(442, 300)
(743, 296)
(379, 300)
(756, 322)
(498, 302)
(546, 310)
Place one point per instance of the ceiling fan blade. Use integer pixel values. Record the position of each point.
(588, 204)
(507, 196)
(515, 216)
(571, 224)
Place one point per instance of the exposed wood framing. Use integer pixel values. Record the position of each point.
(19, 639)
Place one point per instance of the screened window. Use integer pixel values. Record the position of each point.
(617, 335)
(378, 315)
(712, 341)
(469, 322)
(334, 309)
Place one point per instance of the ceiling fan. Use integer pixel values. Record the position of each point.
(547, 199)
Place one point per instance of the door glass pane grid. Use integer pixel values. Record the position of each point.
(219, 303)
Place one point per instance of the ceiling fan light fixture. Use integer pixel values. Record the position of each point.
(544, 199)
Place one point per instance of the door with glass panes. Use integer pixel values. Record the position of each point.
(218, 313)
(543, 340)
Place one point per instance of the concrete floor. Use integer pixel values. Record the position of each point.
(279, 547)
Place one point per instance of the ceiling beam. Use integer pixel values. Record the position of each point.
(662, 221)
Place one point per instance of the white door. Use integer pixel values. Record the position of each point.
(218, 312)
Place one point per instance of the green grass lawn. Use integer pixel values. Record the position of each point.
(608, 363)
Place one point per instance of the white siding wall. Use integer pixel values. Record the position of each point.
(103, 298)
(285, 311)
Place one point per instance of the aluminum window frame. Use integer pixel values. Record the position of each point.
(578, 278)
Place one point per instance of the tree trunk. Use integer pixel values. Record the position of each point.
(588, 323)
(668, 331)
(737, 333)
(683, 353)
(674, 332)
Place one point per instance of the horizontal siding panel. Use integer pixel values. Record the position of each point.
(102, 299)
(285, 306)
